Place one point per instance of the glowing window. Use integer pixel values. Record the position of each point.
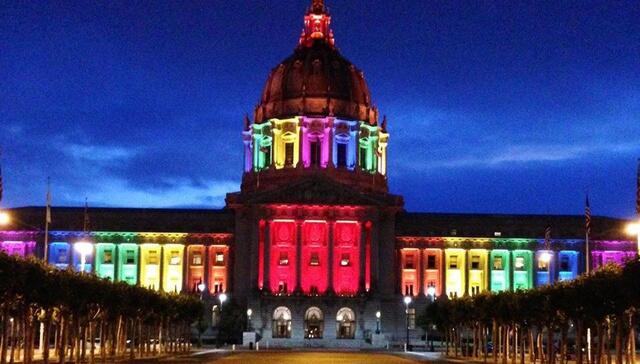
(130, 257)
(497, 263)
(196, 259)
(475, 262)
(283, 259)
(408, 264)
(175, 258)
(315, 259)
(152, 258)
(431, 262)
(62, 256)
(543, 265)
(345, 260)
(219, 258)
(453, 262)
(519, 263)
(107, 257)
(564, 263)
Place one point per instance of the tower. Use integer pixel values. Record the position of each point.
(314, 218)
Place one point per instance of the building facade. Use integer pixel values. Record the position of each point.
(314, 243)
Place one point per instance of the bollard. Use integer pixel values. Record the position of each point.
(257, 346)
(233, 347)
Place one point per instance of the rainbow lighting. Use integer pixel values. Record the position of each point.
(455, 272)
(128, 260)
(151, 256)
(105, 261)
(172, 267)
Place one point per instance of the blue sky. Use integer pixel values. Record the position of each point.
(493, 106)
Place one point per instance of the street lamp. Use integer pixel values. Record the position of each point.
(431, 292)
(378, 314)
(5, 218)
(84, 249)
(249, 313)
(407, 301)
(222, 297)
(634, 229)
(201, 287)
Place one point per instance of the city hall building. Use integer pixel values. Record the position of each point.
(314, 243)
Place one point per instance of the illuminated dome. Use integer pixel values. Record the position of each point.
(316, 79)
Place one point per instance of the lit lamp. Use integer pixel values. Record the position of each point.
(634, 229)
(201, 287)
(5, 218)
(222, 297)
(407, 302)
(249, 313)
(545, 257)
(431, 292)
(84, 249)
(378, 314)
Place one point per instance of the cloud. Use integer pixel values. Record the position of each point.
(94, 153)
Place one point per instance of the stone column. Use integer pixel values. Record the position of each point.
(298, 255)
(267, 260)
(361, 251)
(420, 272)
(330, 290)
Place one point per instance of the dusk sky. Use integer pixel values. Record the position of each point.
(493, 106)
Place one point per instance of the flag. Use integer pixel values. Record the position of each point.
(48, 218)
(547, 237)
(587, 217)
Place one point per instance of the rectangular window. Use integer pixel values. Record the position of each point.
(219, 258)
(342, 155)
(564, 263)
(174, 258)
(497, 263)
(453, 262)
(130, 257)
(152, 258)
(314, 260)
(519, 263)
(408, 289)
(288, 154)
(283, 259)
(363, 157)
(107, 257)
(344, 260)
(196, 259)
(267, 155)
(543, 265)
(408, 264)
(475, 262)
(63, 256)
(431, 262)
(315, 153)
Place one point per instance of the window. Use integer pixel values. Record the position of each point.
(219, 258)
(543, 265)
(281, 324)
(453, 262)
(408, 289)
(408, 264)
(475, 290)
(342, 155)
(497, 263)
(130, 257)
(218, 287)
(152, 258)
(174, 258)
(431, 262)
(266, 152)
(344, 260)
(63, 256)
(315, 150)
(196, 259)
(313, 323)
(315, 259)
(564, 263)
(363, 157)
(475, 262)
(346, 323)
(282, 287)
(519, 263)
(284, 259)
(411, 318)
(288, 154)
(107, 257)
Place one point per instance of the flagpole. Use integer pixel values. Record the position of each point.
(587, 253)
(47, 221)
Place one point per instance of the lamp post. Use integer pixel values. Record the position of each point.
(378, 315)
(407, 301)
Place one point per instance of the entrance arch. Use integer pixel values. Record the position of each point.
(346, 323)
(281, 325)
(313, 323)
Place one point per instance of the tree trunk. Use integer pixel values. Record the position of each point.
(619, 331)
(45, 337)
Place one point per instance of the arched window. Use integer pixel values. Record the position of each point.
(281, 324)
(346, 323)
(215, 315)
(313, 323)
